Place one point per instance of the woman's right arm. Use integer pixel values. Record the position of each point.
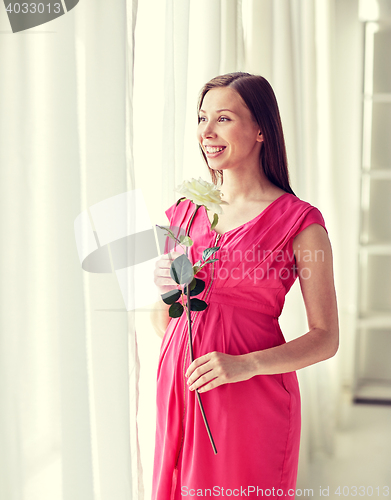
(160, 317)
(159, 313)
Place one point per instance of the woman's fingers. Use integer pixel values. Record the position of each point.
(217, 368)
(162, 276)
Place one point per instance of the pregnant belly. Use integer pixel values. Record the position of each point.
(235, 331)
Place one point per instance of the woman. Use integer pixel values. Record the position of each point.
(242, 364)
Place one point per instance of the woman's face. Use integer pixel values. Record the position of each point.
(227, 133)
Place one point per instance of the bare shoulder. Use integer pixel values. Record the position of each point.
(313, 238)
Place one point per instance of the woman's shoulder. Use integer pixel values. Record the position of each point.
(308, 214)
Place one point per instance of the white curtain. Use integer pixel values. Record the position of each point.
(68, 356)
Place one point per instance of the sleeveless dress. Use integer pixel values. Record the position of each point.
(255, 423)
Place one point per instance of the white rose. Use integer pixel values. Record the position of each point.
(204, 193)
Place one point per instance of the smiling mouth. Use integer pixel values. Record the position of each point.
(214, 150)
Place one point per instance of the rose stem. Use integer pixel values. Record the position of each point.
(191, 343)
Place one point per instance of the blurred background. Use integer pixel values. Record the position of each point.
(102, 101)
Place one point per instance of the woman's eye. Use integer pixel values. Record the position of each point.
(221, 119)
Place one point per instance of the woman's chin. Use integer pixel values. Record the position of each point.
(216, 166)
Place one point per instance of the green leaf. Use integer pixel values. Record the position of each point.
(176, 310)
(211, 260)
(196, 267)
(185, 240)
(181, 270)
(180, 199)
(197, 289)
(208, 252)
(171, 296)
(197, 305)
(171, 234)
(192, 285)
(215, 221)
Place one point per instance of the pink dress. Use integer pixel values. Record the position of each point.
(255, 423)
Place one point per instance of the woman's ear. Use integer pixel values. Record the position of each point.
(260, 137)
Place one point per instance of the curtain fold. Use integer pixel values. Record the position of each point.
(231, 36)
(68, 357)
(105, 44)
(175, 92)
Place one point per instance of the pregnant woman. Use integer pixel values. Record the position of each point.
(243, 367)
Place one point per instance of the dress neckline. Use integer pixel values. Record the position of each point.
(245, 223)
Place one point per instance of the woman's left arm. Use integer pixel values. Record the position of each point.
(314, 263)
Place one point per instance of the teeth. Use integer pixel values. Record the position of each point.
(210, 149)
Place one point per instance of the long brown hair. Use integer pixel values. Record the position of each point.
(260, 99)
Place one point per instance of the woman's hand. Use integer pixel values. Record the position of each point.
(162, 277)
(159, 313)
(217, 368)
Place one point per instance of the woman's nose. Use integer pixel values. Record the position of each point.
(208, 131)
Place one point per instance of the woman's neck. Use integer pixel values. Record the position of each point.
(240, 186)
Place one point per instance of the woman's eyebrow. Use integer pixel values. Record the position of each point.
(220, 110)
